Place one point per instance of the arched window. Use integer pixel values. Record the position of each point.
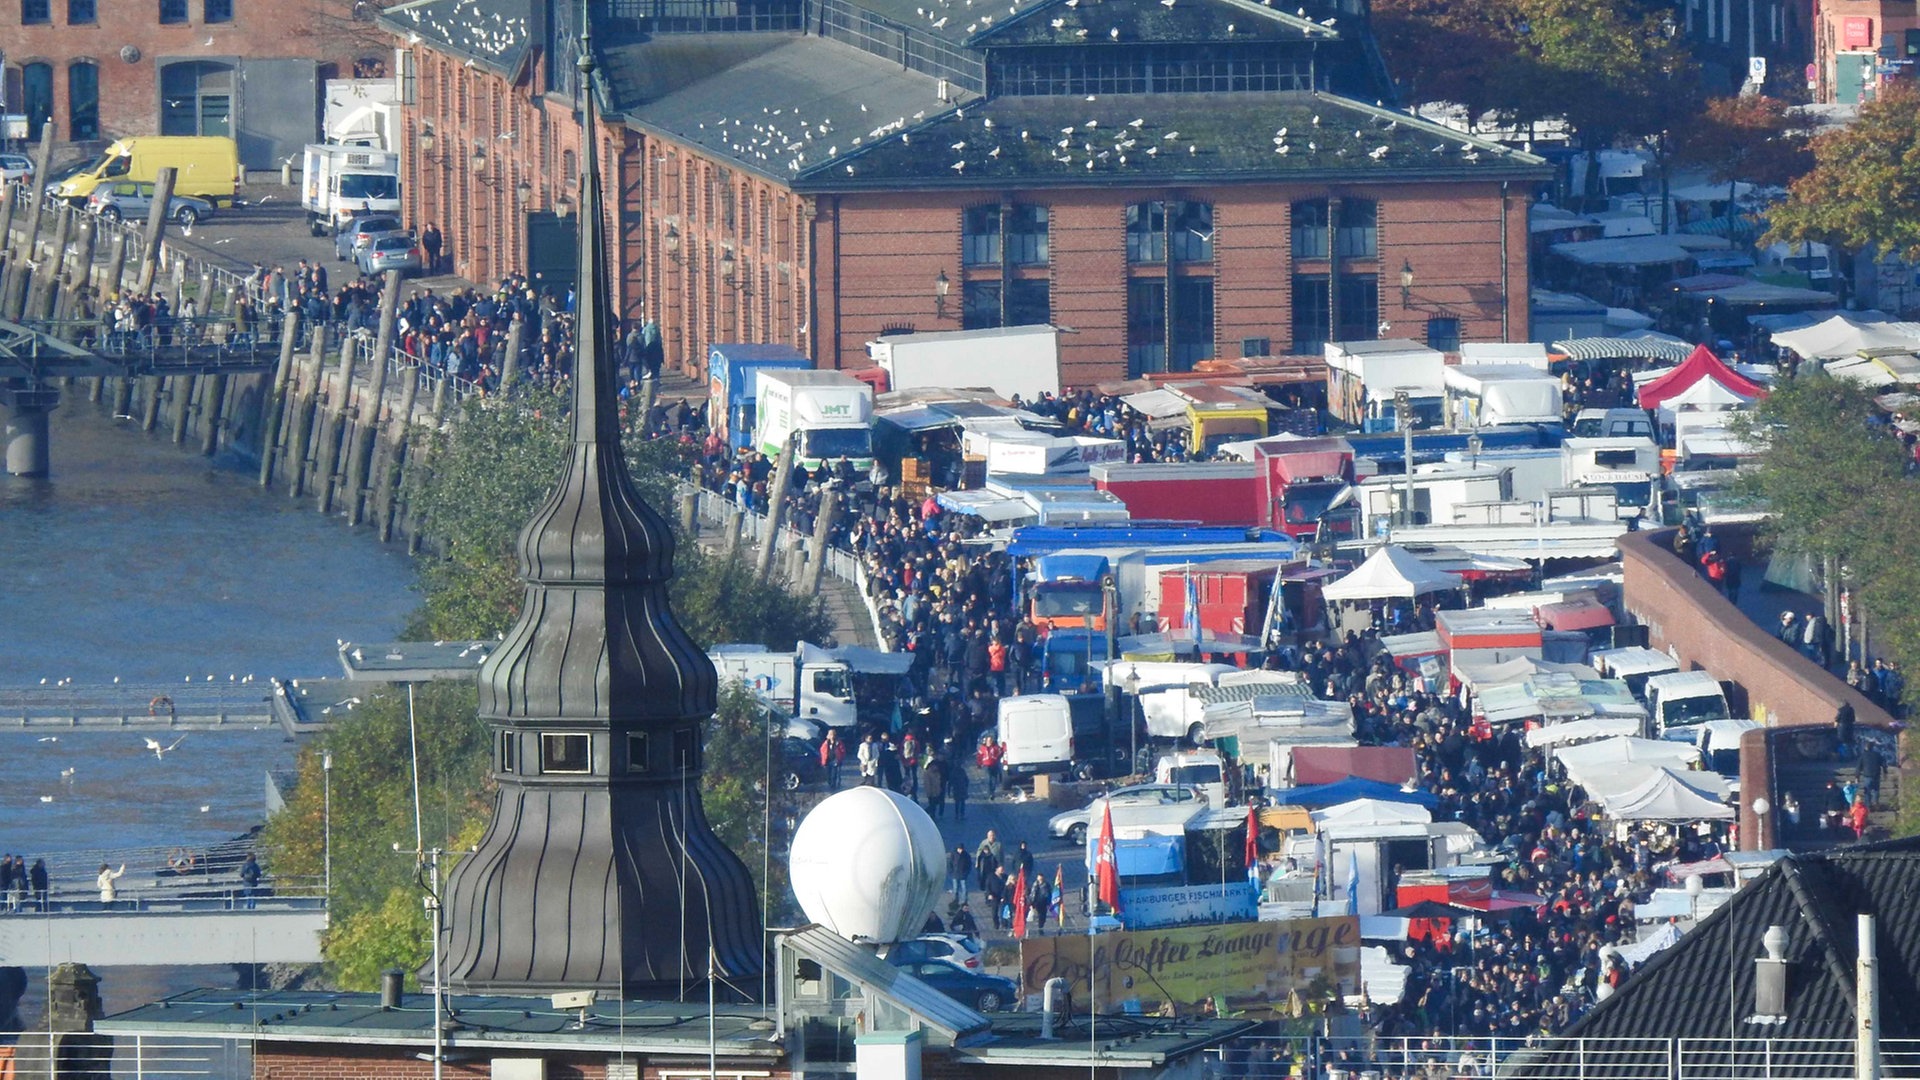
(83, 101)
(1027, 235)
(36, 97)
(569, 169)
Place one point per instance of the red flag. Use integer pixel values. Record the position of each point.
(1106, 869)
(1020, 905)
(1253, 838)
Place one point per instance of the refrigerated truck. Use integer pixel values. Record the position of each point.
(828, 415)
(339, 181)
(732, 387)
(1012, 361)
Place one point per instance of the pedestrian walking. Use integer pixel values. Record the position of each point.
(430, 244)
(986, 859)
(37, 878)
(958, 867)
(957, 784)
(936, 786)
(869, 759)
(989, 757)
(832, 753)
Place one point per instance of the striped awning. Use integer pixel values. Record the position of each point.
(1613, 348)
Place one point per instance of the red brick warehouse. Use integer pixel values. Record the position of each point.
(1173, 182)
(253, 69)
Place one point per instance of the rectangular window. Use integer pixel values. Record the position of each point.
(980, 236)
(173, 11)
(507, 752)
(80, 13)
(1147, 233)
(1146, 326)
(1192, 322)
(1029, 302)
(1359, 307)
(36, 12)
(637, 752)
(1443, 333)
(1310, 300)
(686, 749)
(1359, 233)
(1027, 236)
(218, 11)
(566, 753)
(1310, 229)
(980, 305)
(1190, 232)
(83, 101)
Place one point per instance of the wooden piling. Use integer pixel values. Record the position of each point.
(361, 450)
(776, 510)
(273, 401)
(326, 466)
(300, 418)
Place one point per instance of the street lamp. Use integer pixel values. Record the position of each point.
(326, 787)
(1131, 684)
(478, 162)
(940, 288)
(523, 194)
(670, 242)
(1760, 808)
(563, 207)
(426, 139)
(727, 265)
(1403, 412)
(1406, 282)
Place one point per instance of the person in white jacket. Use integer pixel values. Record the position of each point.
(107, 876)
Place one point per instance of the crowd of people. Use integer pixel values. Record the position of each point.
(22, 887)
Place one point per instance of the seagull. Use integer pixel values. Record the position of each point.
(46, 798)
(207, 43)
(49, 738)
(160, 752)
(67, 774)
(206, 808)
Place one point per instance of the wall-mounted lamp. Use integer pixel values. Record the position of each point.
(727, 265)
(563, 207)
(941, 286)
(670, 243)
(426, 140)
(523, 194)
(478, 162)
(1406, 282)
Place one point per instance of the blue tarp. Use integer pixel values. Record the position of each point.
(1347, 790)
(1146, 856)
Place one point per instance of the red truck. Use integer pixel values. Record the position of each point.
(1209, 492)
(1299, 479)
(1234, 595)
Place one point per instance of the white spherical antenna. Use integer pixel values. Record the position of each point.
(866, 864)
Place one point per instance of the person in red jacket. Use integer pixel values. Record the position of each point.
(832, 753)
(989, 757)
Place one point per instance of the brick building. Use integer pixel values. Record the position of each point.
(1858, 44)
(1174, 180)
(252, 69)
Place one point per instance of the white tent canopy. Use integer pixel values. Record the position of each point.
(1389, 573)
(1840, 337)
(1594, 765)
(1666, 795)
(1361, 813)
(1479, 673)
(1593, 727)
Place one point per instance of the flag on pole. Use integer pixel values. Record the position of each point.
(1253, 844)
(1353, 882)
(1192, 612)
(1106, 869)
(1059, 880)
(1020, 905)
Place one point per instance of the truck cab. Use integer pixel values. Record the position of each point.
(1626, 464)
(1204, 770)
(1219, 414)
(827, 415)
(1302, 479)
(1684, 698)
(816, 695)
(1070, 591)
(1612, 424)
(732, 385)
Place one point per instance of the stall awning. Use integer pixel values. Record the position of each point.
(1622, 348)
(1580, 614)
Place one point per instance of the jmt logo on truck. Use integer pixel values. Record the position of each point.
(836, 410)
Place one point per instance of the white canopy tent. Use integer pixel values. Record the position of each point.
(1479, 673)
(1391, 572)
(1840, 337)
(1666, 795)
(1591, 765)
(1587, 730)
(1367, 812)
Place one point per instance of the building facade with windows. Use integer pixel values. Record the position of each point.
(97, 70)
(1171, 181)
(1860, 45)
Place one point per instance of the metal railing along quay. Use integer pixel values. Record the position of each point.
(1368, 1057)
(139, 1057)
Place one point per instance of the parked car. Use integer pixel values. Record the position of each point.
(360, 232)
(397, 252)
(986, 993)
(800, 763)
(134, 199)
(1072, 824)
(953, 948)
(16, 167)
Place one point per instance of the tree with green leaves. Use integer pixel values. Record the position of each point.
(1864, 189)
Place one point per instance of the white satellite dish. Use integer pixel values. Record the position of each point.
(867, 864)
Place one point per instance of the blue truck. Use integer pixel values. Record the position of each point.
(731, 368)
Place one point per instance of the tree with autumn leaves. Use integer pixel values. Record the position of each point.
(1864, 189)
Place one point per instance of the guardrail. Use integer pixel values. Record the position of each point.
(25, 1054)
(841, 563)
(1368, 1057)
(188, 892)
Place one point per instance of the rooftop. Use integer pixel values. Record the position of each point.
(1210, 21)
(495, 32)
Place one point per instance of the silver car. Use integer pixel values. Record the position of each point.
(132, 199)
(397, 252)
(1073, 824)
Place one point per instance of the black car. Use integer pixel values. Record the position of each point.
(985, 993)
(800, 764)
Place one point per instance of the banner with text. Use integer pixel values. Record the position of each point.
(1252, 965)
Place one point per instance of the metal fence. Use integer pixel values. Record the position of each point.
(24, 1055)
(1368, 1057)
(840, 563)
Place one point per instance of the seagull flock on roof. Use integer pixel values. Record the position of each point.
(468, 25)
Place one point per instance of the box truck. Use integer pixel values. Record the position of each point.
(337, 182)
(829, 413)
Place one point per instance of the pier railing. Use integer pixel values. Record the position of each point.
(1369, 1057)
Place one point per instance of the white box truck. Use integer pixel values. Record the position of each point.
(1008, 360)
(338, 182)
(830, 412)
(824, 696)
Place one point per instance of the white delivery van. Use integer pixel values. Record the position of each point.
(1634, 665)
(1682, 698)
(1037, 732)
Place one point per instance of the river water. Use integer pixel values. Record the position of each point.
(142, 560)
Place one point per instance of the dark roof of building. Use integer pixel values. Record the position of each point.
(1117, 1040)
(492, 32)
(1056, 22)
(1167, 138)
(643, 69)
(1701, 986)
(952, 21)
(311, 1016)
(782, 109)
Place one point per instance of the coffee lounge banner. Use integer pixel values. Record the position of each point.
(1253, 965)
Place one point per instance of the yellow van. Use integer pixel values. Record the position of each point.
(207, 166)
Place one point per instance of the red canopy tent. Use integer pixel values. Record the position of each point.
(1330, 764)
(1701, 364)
